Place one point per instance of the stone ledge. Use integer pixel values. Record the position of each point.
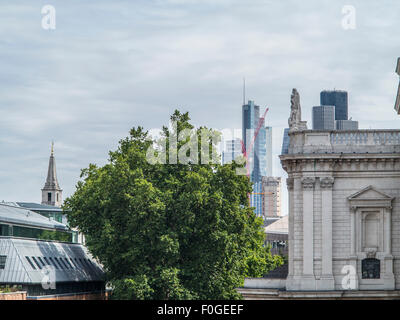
(277, 294)
(262, 283)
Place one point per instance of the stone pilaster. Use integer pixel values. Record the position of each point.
(290, 187)
(388, 260)
(353, 275)
(327, 281)
(308, 279)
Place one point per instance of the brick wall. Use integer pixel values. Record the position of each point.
(20, 295)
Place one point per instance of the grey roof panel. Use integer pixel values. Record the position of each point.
(19, 270)
(17, 215)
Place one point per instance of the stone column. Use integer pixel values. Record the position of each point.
(327, 281)
(308, 279)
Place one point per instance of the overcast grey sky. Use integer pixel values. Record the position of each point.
(112, 65)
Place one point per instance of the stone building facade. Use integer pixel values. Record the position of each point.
(344, 215)
(344, 221)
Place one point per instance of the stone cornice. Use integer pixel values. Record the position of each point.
(335, 162)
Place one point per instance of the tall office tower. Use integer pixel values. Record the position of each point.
(233, 150)
(346, 125)
(271, 190)
(285, 141)
(323, 118)
(257, 154)
(337, 98)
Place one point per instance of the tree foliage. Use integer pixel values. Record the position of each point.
(169, 231)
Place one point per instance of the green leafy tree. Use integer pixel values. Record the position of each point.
(170, 231)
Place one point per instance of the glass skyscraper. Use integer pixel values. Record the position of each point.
(233, 150)
(337, 98)
(323, 118)
(257, 156)
(285, 142)
(346, 125)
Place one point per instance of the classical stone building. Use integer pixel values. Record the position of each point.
(344, 215)
(344, 210)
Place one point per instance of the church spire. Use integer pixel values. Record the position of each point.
(51, 192)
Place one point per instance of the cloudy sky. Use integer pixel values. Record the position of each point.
(112, 65)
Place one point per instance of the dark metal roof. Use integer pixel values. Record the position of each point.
(76, 263)
(22, 216)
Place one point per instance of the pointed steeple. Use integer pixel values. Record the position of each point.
(51, 192)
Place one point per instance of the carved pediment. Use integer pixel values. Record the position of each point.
(369, 193)
(370, 197)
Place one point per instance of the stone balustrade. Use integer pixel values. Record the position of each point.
(355, 141)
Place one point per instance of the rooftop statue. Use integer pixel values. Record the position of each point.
(294, 121)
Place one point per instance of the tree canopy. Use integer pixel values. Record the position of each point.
(165, 230)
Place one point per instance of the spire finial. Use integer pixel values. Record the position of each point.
(52, 147)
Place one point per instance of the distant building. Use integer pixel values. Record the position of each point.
(285, 141)
(257, 154)
(346, 125)
(277, 236)
(51, 212)
(337, 98)
(233, 150)
(271, 197)
(250, 116)
(51, 192)
(323, 118)
(39, 256)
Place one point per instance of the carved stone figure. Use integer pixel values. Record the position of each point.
(294, 121)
